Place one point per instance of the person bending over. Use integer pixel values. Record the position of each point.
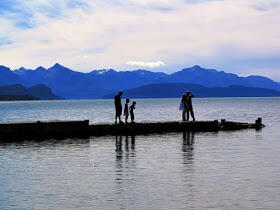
(131, 110)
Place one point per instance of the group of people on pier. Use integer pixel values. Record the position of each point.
(128, 110)
(185, 106)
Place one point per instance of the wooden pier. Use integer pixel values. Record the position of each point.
(39, 129)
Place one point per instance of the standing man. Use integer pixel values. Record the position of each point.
(189, 105)
(118, 107)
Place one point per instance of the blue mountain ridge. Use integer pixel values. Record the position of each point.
(175, 90)
(71, 84)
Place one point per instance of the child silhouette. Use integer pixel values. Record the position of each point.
(131, 110)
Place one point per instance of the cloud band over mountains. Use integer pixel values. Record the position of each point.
(146, 64)
(238, 36)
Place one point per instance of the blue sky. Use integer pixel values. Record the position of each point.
(239, 36)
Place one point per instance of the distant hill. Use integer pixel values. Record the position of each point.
(18, 91)
(175, 90)
(214, 78)
(71, 84)
(17, 98)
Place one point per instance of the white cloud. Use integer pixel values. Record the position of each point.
(146, 64)
(109, 34)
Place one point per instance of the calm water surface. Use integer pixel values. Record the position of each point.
(222, 170)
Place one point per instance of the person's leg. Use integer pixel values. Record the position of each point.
(133, 117)
(120, 120)
(192, 114)
(188, 114)
(184, 115)
(119, 113)
(126, 118)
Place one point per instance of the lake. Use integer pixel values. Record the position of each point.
(219, 170)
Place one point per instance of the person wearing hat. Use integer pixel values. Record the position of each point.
(118, 107)
(189, 105)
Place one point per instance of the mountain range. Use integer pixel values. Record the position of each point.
(175, 90)
(70, 84)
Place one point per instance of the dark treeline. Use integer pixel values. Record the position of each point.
(17, 98)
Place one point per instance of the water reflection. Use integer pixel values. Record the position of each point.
(129, 146)
(188, 147)
(125, 168)
(188, 169)
(188, 141)
(119, 152)
(188, 150)
(46, 143)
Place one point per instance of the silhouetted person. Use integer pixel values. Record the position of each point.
(118, 107)
(189, 105)
(183, 106)
(131, 110)
(126, 112)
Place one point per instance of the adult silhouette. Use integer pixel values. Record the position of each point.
(189, 105)
(118, 107)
